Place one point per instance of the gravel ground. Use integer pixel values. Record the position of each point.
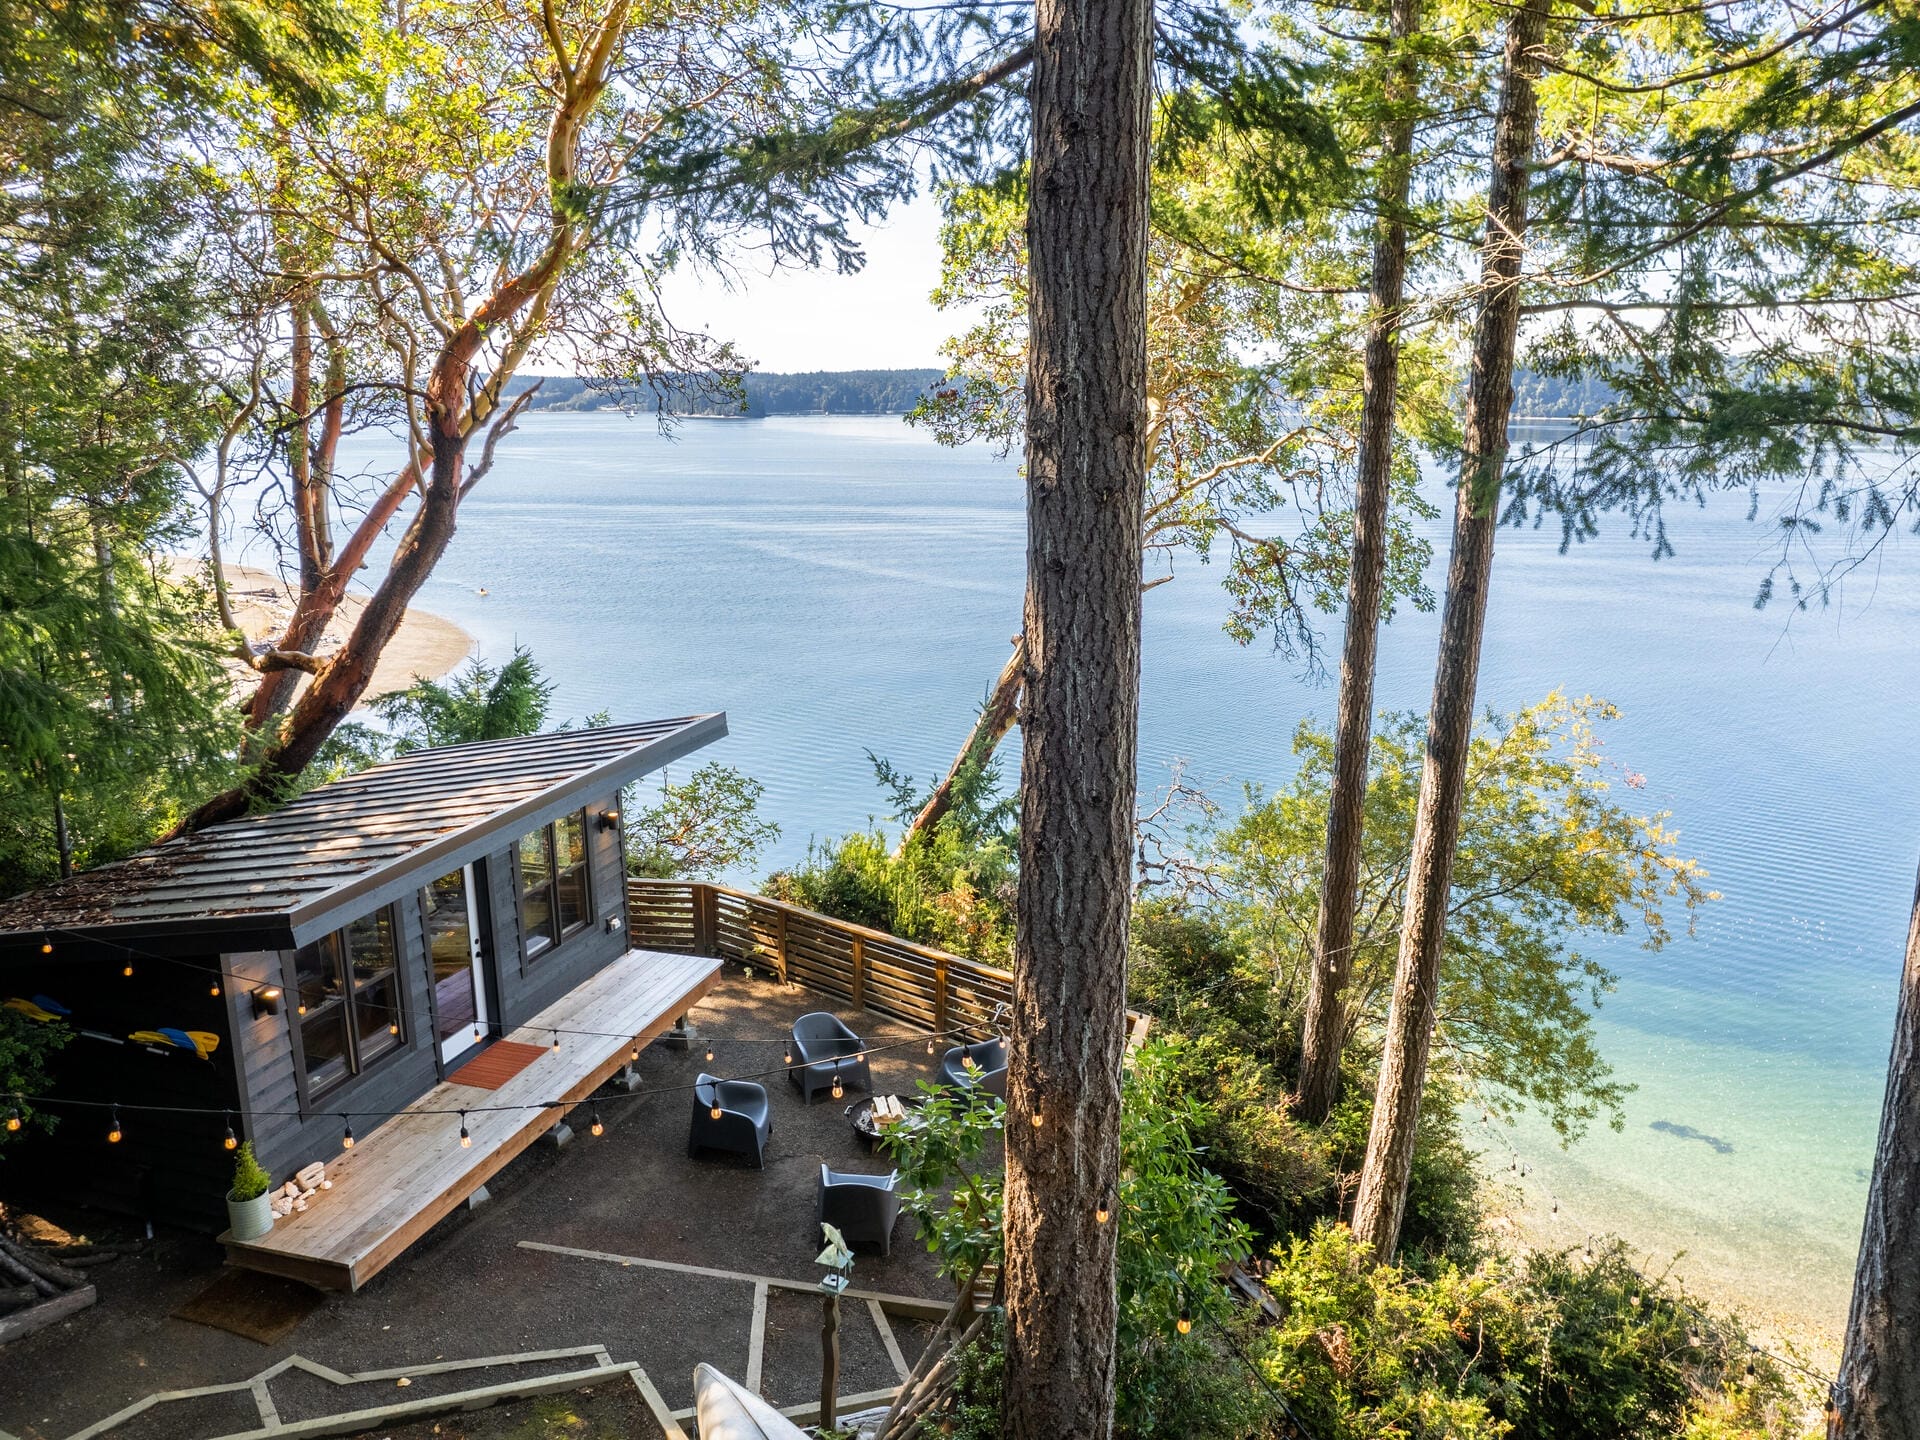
(468, 1290)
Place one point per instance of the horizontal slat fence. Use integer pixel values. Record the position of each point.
(869, 969)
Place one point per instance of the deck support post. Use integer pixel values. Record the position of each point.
(681, 1036)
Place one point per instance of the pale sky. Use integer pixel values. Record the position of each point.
(877, 319)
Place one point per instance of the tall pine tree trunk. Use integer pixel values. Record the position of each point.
(1086, 486)
(1877, 1396)
(1381, 1200)
(1324, 1031)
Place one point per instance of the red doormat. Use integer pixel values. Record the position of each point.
(503, 1060)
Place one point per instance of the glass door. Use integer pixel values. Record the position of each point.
(459, 960)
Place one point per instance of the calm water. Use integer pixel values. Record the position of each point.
(845, 585)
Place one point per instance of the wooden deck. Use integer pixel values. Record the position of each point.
(402, 1178)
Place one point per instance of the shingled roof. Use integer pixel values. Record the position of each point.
(280, 879)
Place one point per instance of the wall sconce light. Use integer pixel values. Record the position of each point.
(266, 1000)
(609, 819)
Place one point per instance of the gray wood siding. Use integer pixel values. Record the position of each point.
(529, 986)
(259, 1074)
(286, 1136)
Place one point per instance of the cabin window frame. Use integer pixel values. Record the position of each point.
(363, 1052)
(547, 892)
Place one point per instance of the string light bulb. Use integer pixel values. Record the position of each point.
(1751, 1352)
(838, 1089)
(709, 1052)
(929, 1044)
(596, 1129)
(476, 1031)
(114, 1133)
(634, 1053)
(230, 1141)
(13, 1119)
(466, 1140)
(556, 1042)
(1185, 1323)
(1038, 1119)
(46, 947)
(393, 1027)
(346, 1133)
(714, 1112)
(789, 1055)
(214, 990)
(127, 969)
(1102, 1213)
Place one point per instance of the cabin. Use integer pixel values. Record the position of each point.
(339, 980)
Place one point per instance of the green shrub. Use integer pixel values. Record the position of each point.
(1566, 1345)
(249, 1180)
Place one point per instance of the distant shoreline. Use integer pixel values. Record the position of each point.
(425, 647)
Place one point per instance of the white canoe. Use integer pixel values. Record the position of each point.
(726, 1411)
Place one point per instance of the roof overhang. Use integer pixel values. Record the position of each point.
(380, 885)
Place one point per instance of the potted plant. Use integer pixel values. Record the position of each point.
(249, 1210)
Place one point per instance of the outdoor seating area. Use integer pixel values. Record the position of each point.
(620, 1240)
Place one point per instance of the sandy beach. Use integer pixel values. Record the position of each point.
(426, 646)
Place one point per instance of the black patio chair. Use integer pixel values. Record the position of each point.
(986, 1075)
(862, 1207)
(743, 1123)
(823, 1047)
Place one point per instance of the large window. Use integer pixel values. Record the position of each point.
(348, 1005)
(554, 902)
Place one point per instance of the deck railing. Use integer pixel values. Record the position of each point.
(869, 969)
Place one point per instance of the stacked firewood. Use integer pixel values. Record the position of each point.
(292, 1198)
(43, 1273)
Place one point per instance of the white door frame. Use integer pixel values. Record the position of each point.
(464, 1039)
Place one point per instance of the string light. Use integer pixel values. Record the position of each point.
(634, 1053)
(214, 989)
(715, 1112)
(1185, 1323)
(838, 1090)
(466, 1140)
(1038, 1119)
(556, 1042)
(788, 1057)
(393, 1027)
(709, 1052)
(128, 971)
(476, 1030)
(596, 1129)
(16, 1098)
(1101, 1214)
(230, 1141)
(46, 947)
(114, 1132)
(346, 1133)
(929, 1045)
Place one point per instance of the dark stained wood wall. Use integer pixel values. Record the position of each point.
(168, 1167)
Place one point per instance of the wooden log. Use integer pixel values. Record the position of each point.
(14, 1270)
(49, 1270)
(47, 1312)
(14, 1296)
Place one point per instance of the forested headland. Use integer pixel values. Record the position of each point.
(756, 393)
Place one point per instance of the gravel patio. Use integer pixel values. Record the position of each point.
(475, 1287)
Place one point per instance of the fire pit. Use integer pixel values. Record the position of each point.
(860, 1116)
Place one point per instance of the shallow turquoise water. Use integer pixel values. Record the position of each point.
(841, 585)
